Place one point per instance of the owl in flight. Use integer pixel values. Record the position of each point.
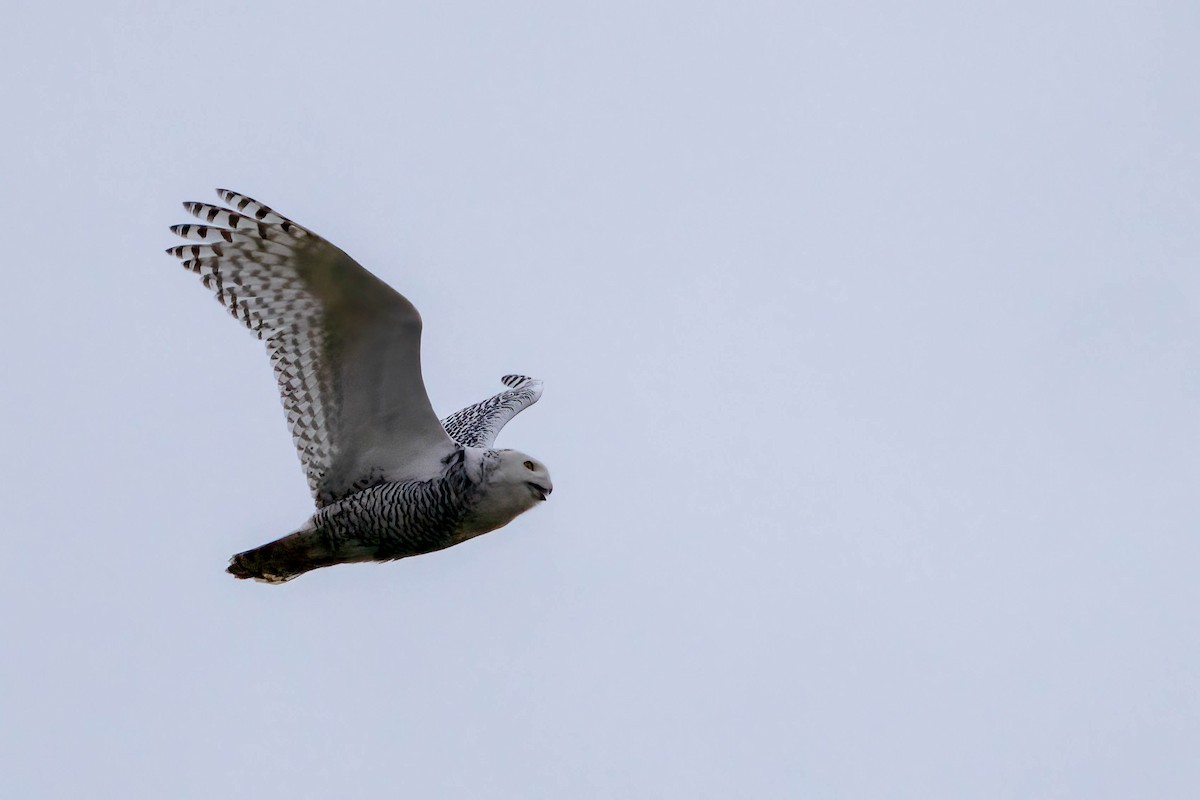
(390, 480)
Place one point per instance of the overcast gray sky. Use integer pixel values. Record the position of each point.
(869, 333)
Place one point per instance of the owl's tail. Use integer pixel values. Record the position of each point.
(284, 559)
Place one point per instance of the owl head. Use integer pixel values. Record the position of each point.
(516, 469)
(512, 483)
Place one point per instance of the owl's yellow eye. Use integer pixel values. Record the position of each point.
(529, 466)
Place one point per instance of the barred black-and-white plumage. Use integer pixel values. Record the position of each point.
(477, 425)
(388, 478)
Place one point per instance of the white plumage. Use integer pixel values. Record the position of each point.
(346, 349)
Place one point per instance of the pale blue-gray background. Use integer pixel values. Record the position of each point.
(869, 333)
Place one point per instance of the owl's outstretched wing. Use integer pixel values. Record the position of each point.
(345, 346)
(477, 425)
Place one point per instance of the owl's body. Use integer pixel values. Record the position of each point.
(395, 520)
(389, 479)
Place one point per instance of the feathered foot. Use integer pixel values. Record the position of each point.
(283, 559)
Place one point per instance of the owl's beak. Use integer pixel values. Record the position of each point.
(539, 491)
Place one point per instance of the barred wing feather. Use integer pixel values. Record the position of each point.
(478, 425)
(345, 346)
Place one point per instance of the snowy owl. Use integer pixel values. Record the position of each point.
(388, 478)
